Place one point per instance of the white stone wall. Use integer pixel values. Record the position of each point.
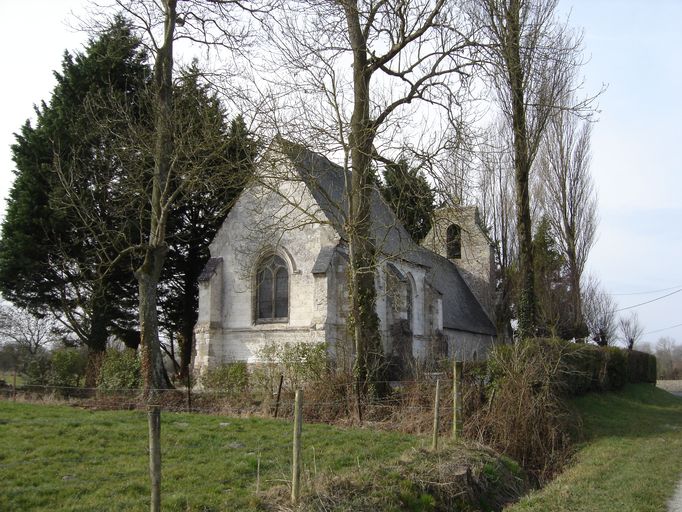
(288, 222)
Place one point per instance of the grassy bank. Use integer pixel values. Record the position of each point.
(630, 459)
(55, 457)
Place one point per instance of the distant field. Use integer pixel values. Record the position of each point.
(9, 376)
(60, 458)
(630, 460)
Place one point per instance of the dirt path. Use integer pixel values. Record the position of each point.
(675, 503)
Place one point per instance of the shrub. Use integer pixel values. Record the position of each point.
(231, 378)
(526, 417)
(300, 363)
(613, 369)
(37, 370)
(641, 366)
(120, 370)
(68, 367)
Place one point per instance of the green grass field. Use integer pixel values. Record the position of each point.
(55, 457)
(8, 377)
(631, 459)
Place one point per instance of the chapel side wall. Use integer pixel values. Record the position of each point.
(251, 230)
(391, 309)
(467, 346)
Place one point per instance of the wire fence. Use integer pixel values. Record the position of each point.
(402, 405)
(210, 446)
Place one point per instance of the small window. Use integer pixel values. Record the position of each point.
(272, 290)
(453, 242)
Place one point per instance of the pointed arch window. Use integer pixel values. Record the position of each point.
(408, 300)
(272, 290)
(453, 242)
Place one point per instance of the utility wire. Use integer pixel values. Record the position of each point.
(661, 330)
(649, 301)
(647, 293)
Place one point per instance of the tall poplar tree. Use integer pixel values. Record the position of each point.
(531, 58)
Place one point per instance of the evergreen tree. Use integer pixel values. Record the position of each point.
(78, 208)
(552, 285)
(50, 261)
(411, 198)
(227, 151)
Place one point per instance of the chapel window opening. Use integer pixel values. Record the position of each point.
(408, 302)
(453, 242)
(272, 290)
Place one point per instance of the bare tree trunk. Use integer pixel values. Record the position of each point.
(522, 164)
(368, 350)
(152, 361)
(150, 271)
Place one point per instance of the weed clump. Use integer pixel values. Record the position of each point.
(463, 477)
(526, 416)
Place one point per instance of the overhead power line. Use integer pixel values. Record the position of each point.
(649, 292)
(650, 301)
(661, 330)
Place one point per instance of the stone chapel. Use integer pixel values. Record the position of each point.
(277, 272)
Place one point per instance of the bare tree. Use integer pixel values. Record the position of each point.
(599, 310)
(665, 348)
(630, 329)
(153, 159)
(532, 59)
(568, 199)
(29, 333)
(355, 68)
(496, 198)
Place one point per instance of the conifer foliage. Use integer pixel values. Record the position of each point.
(74, 228)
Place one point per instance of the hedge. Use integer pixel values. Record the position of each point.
(587, 368)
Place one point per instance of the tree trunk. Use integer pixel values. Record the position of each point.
(149, 273)
(526, 303)
(152, 361)
(579, 327)
(193, 267)
(97, 339)
(189, 315)
(368, 350)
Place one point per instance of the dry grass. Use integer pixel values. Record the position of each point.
(526, 417)
(463, 477)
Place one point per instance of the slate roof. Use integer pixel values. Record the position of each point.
(209, 269)
(324, 259)
(461, 309)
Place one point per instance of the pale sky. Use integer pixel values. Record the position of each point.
(633, 47)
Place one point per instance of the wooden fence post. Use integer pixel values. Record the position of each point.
(457, 400)
(154, 417)
(436, 417)
(358, 397)
(279, 393)
(14, 386)
(189, 390)
(296, 464)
